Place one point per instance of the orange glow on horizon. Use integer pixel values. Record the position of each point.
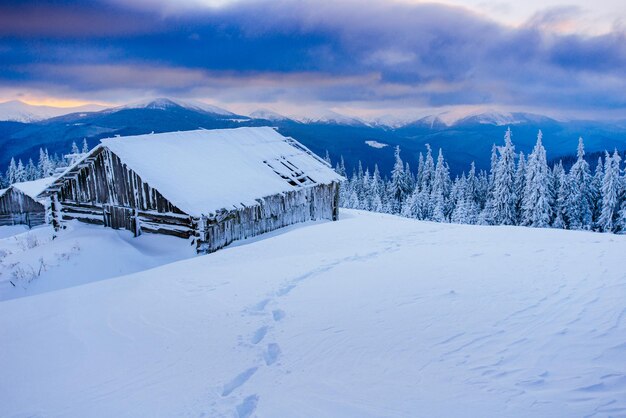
(56, 102)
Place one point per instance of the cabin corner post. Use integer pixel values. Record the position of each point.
(336, 187)
(55, 209)
(200, 234)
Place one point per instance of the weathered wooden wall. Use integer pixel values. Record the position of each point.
(104, 191)
(18, 208)
(273, 212)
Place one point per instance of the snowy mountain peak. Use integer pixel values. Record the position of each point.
(500, 118)
(330, 117)
(267, 114)
(18, 111)
(163, 103)
(430, 122)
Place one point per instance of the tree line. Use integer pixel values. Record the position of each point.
(517, 190)
(47, 165)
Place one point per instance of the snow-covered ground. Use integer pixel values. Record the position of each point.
(370, 316)
(32, 262)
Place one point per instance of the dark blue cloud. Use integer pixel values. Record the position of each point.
(422, 54)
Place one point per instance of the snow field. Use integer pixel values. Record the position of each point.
(370, 316)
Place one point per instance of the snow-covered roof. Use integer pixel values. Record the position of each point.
(203, 171)
(32, 188)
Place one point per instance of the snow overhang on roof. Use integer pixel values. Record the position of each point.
(33, 188)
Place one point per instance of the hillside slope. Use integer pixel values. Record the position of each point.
(370, 316)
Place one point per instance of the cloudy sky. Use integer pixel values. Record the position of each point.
(559, 57)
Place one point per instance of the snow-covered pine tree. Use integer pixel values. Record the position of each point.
(483, 187)
(410, 179)
(344, 187)
(458, 196)
(486, 215)
(537, 202)
(375, 191)
(353, 201)
(504, 198)
(596, 193)
(440, 190)
(366, 191)
(326, 158)
(420, 171)
(611, 189)
(340, 168)
(398, 187)
(562, 187)
(11, 172)
(45, 164)
(429, 171)
(494, 164)
(579, 204)
(20, 172)
(354, 188)
(31, 171)
(520, 184)
(85, 149)
(75, 148)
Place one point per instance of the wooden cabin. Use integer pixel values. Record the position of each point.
(19, 203)
(211, 186)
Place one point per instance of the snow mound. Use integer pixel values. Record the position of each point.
(369, 316)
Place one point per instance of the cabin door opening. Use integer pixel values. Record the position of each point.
(119, 217)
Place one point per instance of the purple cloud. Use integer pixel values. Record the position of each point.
(287, 50)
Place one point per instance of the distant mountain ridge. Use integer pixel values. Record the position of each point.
(463, 140)
(18, 111)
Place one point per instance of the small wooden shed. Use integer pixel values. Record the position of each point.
(213, 186)
(19, 203)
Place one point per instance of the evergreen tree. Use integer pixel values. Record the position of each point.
(20, 173)
(493, 166)
(85, 150)
(611, 189)
(520, 184)
(504, 198)
(596, 192)
(488, 208)
(429, 171)
(457, 195)
(366, 196)
(75, 150)
(31, 171)
(440, 190)
(409, 179)
(420, 171)
(562, 186)
(579, 204)
(341, 168)
(537, 203)
(326, 158)
(11, 172)
(398, 187)
(353, 202)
